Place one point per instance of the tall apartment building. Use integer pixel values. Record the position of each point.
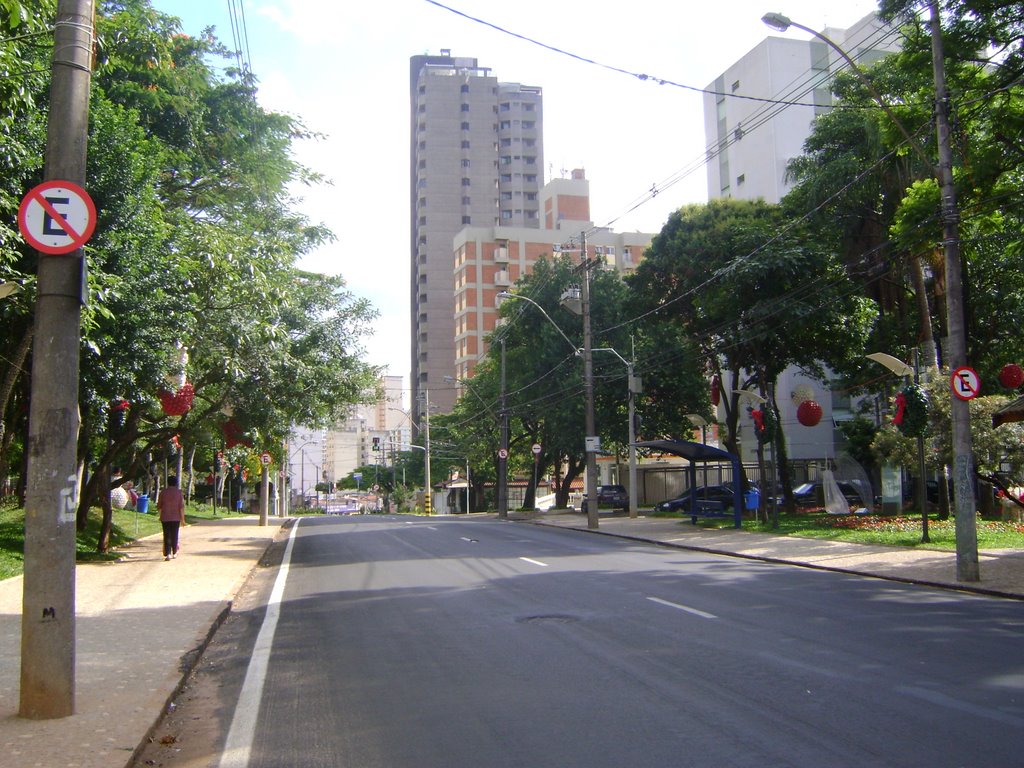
(749, 146)
(489, 260)
(750, 142)
(476, 159)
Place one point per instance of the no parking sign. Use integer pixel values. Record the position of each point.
(57, 217)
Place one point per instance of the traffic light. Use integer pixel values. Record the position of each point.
(376, 443)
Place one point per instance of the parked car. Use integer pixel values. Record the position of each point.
(715, 493)
(613, 496)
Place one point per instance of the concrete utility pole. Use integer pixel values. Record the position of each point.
(963, 450)
(588, 392)
(503, 447)
(51, 496)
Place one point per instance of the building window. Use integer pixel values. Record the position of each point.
(465, 144)
(465, 107)
(467, 220)
(506, 215)
(506, 178)
(530, 178)
(465, 181)
(504, 125)
(529, 125)
(423, 220)
(740, 179)
(465, 126)
(465, 162)
(465, 88)
(504, 106)
(735, 86)
(467, 200)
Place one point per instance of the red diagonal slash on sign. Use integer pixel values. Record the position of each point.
(37, 211)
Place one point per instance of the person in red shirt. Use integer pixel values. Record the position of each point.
(172, 515)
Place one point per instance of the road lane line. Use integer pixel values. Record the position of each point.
(238, 745)
(535, 562)
(688, 609)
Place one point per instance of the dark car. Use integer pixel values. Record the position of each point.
(613, 496)
(720, 494)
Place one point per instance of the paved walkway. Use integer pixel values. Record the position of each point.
(138, 620)
(141, 621)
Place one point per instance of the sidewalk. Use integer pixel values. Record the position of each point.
(136, 620)
(1002, 570)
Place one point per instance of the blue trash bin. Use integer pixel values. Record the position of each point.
(142, 505)
(752, 499)
(238, 506)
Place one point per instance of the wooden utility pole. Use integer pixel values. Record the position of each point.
(51, 497)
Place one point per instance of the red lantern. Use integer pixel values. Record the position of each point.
(808, 413)
(1012, 376)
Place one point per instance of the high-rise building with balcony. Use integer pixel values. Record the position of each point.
(476, 159)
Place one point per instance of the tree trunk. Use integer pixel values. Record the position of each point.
(103, 544)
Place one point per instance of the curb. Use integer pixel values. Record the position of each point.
(189, 661)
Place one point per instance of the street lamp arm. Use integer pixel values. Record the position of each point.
(781, 23)
(609, 349)
(506, 295)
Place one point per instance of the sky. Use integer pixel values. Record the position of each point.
(342, 67)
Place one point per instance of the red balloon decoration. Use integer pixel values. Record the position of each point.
(809, 413)
(1012, 376)
(179, 403)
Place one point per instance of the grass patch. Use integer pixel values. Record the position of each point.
(896, 531)
(126, 527)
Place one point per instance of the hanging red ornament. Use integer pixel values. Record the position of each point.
(179, 403)
(716, 390)
(1012, 376)
(809, 413)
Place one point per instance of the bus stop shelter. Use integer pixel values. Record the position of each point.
(696, 453)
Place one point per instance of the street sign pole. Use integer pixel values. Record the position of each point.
(51, 496)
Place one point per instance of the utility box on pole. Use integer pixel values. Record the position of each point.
(52, 488)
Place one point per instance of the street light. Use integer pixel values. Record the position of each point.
(960, 415)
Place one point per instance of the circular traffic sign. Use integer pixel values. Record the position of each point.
(265, 458)
(536, 449)
(57, 217)
(502, 453)
(965, 383)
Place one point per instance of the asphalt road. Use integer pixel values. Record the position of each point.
(441, 643)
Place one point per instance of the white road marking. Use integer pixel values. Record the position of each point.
(243, 723)
(694, 611)
(535, 562)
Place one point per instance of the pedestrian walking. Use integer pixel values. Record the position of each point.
(171, 505)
